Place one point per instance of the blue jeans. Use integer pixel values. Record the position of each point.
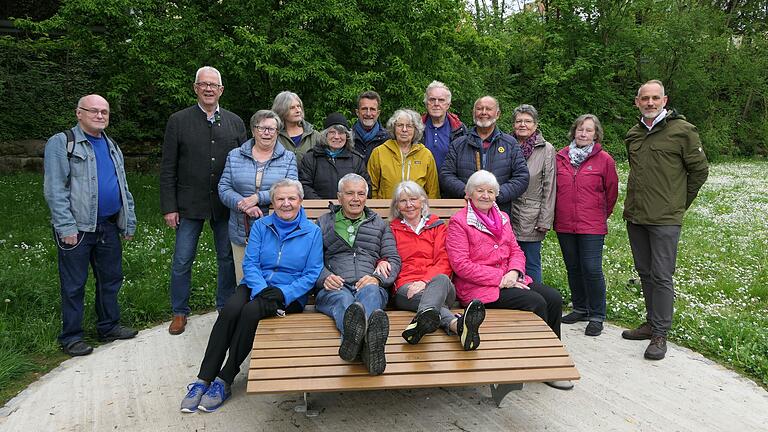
(335, 302)
(583, 256)
(532, 251)
(104, 252)
(187, 236)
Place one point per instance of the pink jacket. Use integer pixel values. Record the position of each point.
(479, 259)
(585, 196)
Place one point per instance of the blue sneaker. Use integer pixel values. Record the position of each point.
(195, 391)
(216, 395)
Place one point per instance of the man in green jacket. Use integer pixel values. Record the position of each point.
(667, 167)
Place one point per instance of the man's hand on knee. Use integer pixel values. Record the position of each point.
(366, 280)
(333, 282)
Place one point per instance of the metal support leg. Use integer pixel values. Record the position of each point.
(498, 391)
(304, 407)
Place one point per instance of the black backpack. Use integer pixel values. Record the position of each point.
(70, 142)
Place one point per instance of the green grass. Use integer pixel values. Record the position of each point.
(722, 278)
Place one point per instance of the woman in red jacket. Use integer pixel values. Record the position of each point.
(424, 285)
(587, 188)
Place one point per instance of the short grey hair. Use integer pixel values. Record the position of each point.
(208, 69)
(480, 178)
(262, 115)
(581, 119)
(410, 188)
(352, 177)
(437, 85)
(526, 109)
(286, 182)
(654, 81)
(282, 103)
(347, 132)
(413, 117)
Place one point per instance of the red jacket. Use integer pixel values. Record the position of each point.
(585, 196)
(423, 256)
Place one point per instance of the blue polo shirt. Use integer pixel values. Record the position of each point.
(437, 140)
(109, 190)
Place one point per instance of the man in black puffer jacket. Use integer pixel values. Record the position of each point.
(485, 147)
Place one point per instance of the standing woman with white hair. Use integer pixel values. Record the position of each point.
(488, 264)
(403, 158)
(296, 135)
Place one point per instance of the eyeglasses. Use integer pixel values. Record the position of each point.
(334, 132)
(437, 101)
(405, 201)
(204, 85)
(268, 130)
(406, 126)
(95, 111)
(525, 122)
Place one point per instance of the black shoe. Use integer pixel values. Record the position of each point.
(469, 324)
(657, 349)
(574, 317)
(594, 328)
(425, 321)
(119, 332)
(373, 355)
(77, 348)
(354, 332)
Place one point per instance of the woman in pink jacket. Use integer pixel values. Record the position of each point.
(587, 188)
(487, 263)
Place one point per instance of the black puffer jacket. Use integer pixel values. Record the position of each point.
(320, 173)
(374, 242)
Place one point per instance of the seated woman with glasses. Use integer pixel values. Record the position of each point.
(424, 282)
(283, 259)
(249, 173)
(332, 158)
(403, 158)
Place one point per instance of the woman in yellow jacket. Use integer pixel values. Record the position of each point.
(403, 158)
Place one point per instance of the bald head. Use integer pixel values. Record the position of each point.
(92, 114)
(486, 112)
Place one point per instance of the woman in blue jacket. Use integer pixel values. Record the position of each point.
(248, 174)
(283, 259)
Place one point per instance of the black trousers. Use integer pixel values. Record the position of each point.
(544, 301)
(235, 328)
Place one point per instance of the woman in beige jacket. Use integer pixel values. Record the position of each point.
(532, 213)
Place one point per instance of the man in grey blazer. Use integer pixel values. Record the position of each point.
(197, 140)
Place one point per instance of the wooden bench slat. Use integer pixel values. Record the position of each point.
(351, 369)
(400, 381)
(486, 333)
(327, 360)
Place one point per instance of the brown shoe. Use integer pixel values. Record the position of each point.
(657, 349)
(641, 333)
(178, 324)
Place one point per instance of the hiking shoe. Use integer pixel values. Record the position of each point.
(119, 332)
(560, 385)
(641, 333)
(77, 348)
(195, 392)
(574, 317)
(425, 321)
(594, 328)
(354, 332)
(657, 349)
(469, 324)
(375, 342)
(217, 394)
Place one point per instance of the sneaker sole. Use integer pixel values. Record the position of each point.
(188, 410)
(474, 315)
(376, 341)
(426, 322)
(354, 332)
(212, 409)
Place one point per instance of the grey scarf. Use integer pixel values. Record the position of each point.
(578, 154)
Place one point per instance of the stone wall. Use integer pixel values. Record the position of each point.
(27, 155)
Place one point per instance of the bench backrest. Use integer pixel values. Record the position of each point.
(443, 208)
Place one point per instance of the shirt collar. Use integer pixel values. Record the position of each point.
(658, 118)
(212, 118)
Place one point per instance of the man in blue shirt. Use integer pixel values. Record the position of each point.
(86, 190)
(440, 126)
